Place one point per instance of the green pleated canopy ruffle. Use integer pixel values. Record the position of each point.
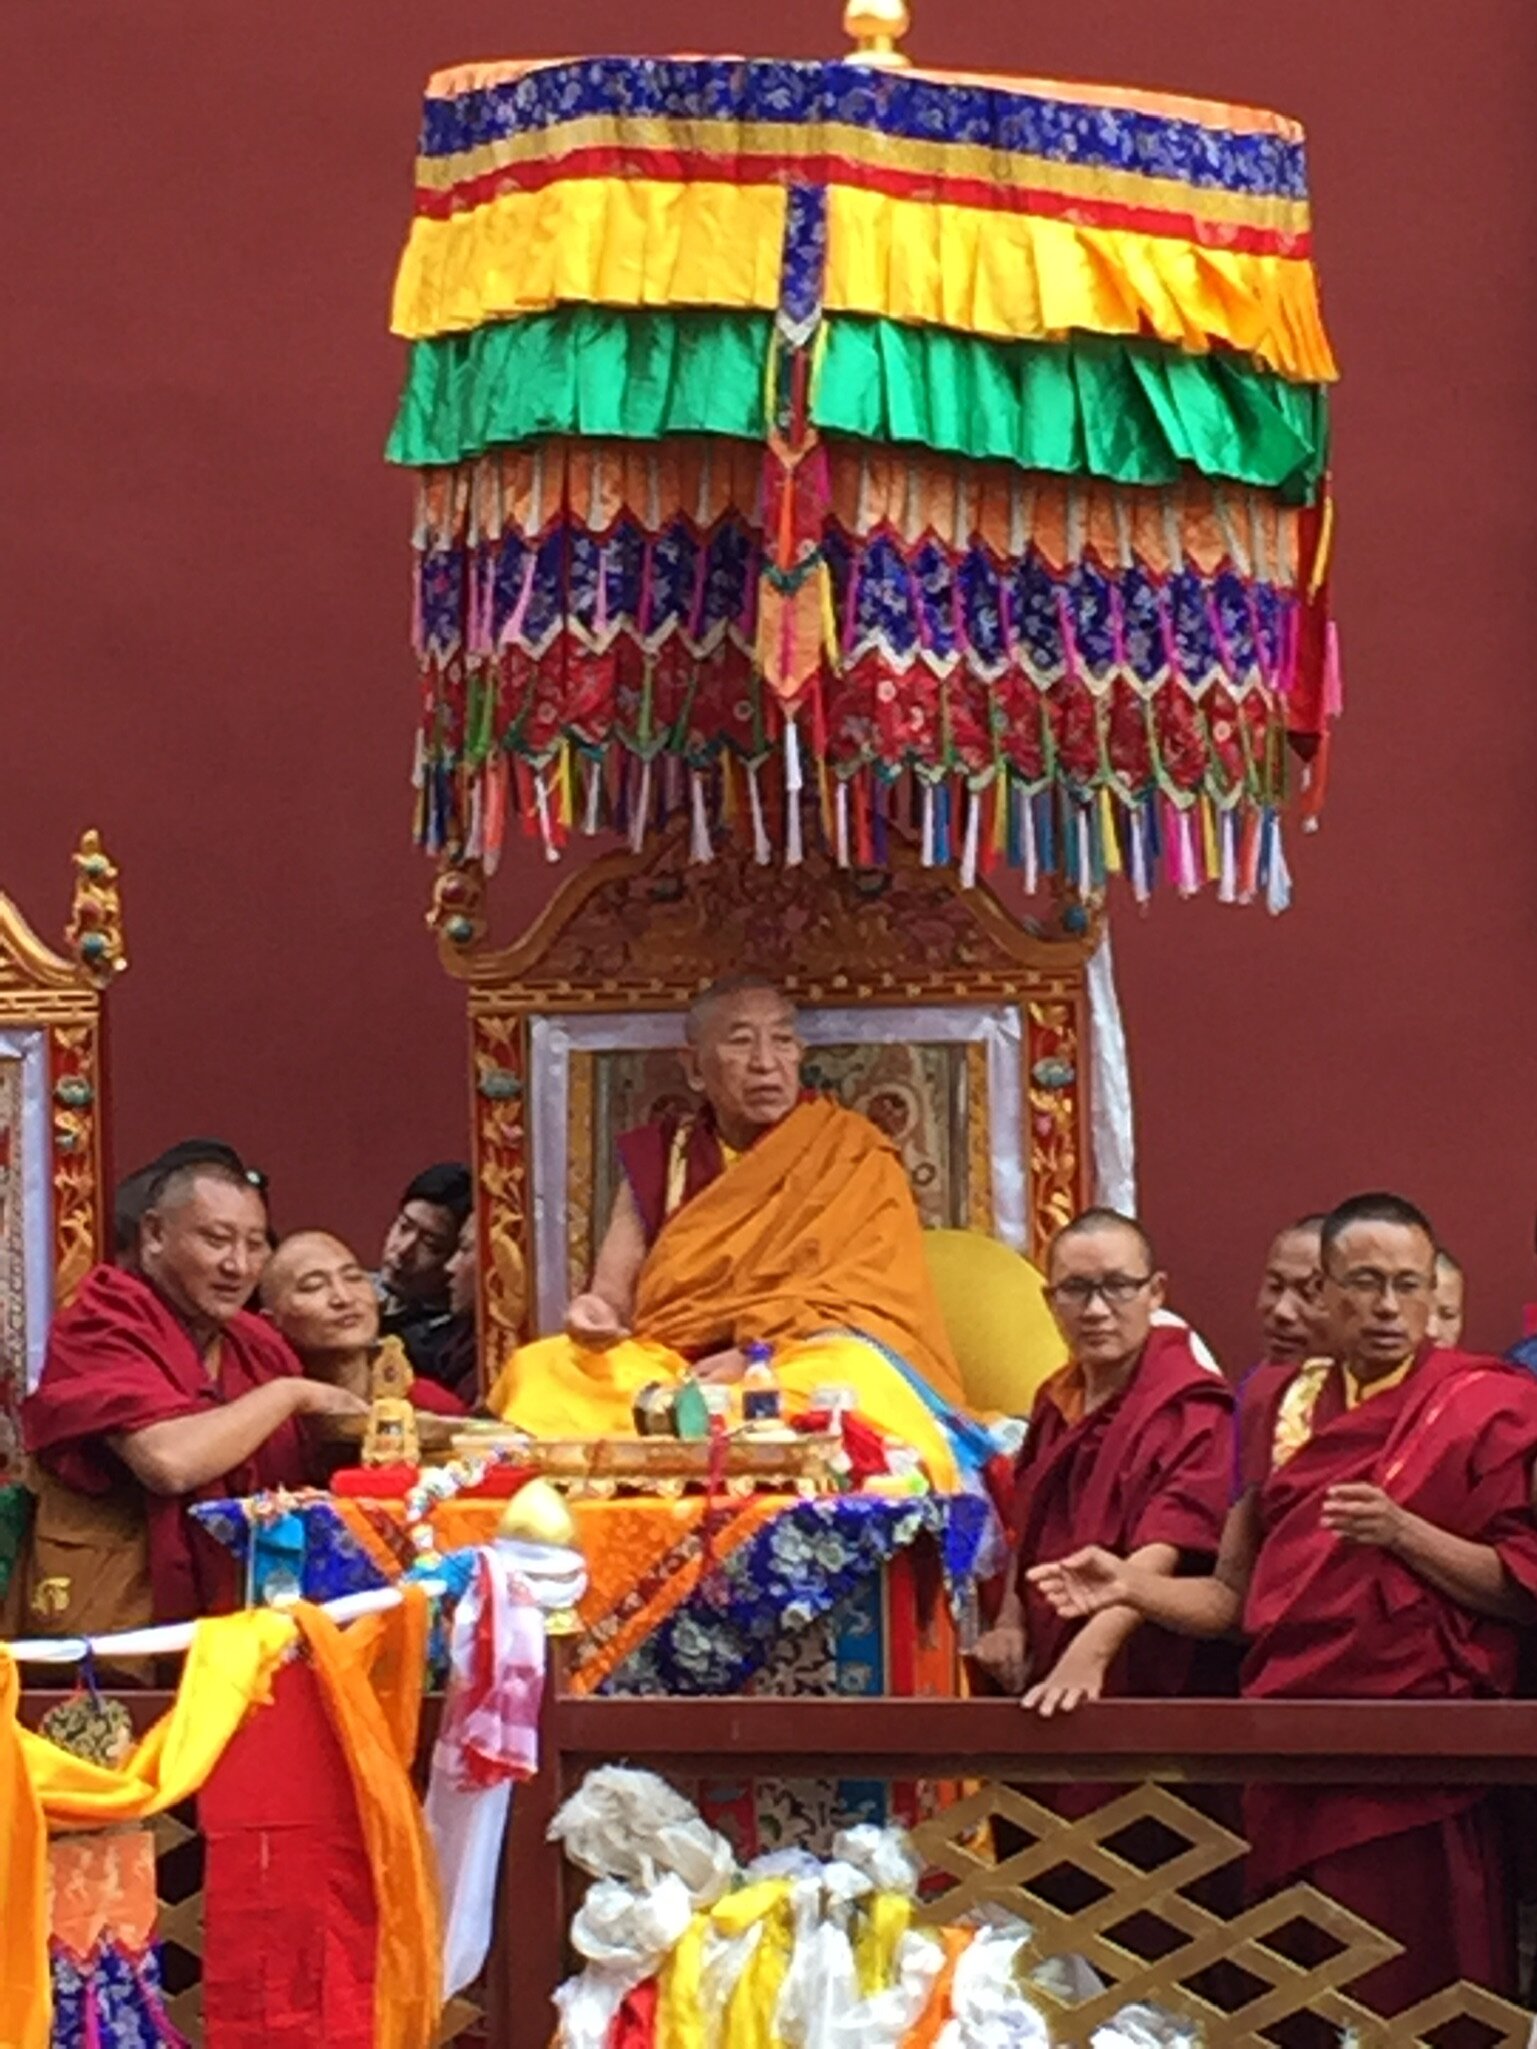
(1131, 411)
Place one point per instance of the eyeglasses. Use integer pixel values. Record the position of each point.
(1366, 1284)
(1117, 1290)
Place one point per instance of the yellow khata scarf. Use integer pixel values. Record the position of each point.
(229, 1670)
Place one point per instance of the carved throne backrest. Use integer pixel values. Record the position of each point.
(53, 1172)
(927, 1006)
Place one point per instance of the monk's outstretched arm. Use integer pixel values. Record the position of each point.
(1079, 1674)
(185, 1453)
(605, 1312)
(1471, 1574)
(1094, 1581)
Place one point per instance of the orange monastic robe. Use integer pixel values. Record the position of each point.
(810, 1242)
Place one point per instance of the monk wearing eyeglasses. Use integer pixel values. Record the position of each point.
(1383, 1547)
(1129, 1448)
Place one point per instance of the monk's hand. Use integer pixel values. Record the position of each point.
(1077, 1676)
(319, 1398)
(721, 1368)
(1004, 1655)
(594, 1323)
(1364, 1514)
(1085, 1583)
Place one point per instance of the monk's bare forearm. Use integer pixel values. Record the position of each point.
(1104, 1636)
(616, 1272)
(1470, 1574)
(186, 1453)
(1190, 1607)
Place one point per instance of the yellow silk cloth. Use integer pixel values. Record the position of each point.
(987, 271)
(813, 1231)
(644, 1558)
(228, 1670)
(25, 1998)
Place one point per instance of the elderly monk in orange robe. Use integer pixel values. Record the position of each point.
(1382, 1548)
(762, 1216)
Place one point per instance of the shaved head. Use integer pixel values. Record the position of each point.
(320, 1297)
(747, 982)
(294, 1253)
(1098, 1222)
(744, 1055)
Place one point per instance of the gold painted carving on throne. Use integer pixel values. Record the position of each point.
(645, 932)
(58, 997)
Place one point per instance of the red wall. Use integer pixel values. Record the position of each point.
(205, 596)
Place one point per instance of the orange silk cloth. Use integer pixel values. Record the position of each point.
(371, 1678)
(814, 1229)
(645, 1557)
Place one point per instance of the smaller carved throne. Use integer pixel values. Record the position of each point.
(925, 1005)
(53, 1151)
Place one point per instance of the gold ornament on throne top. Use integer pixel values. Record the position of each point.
(876, 28)
(95, 929)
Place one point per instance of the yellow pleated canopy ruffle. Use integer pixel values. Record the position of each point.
(1014, 276)
(606, 241)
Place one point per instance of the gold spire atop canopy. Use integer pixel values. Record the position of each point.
(877, 27)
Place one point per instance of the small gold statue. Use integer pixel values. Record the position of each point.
(391, 1439)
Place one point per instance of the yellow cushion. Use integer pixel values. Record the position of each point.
(1001, 1330)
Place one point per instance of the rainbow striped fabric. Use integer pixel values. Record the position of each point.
(813, 449)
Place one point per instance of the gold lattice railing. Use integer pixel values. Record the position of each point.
(1150, 1905)
(1143, 1890)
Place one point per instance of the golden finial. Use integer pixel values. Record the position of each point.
(877, 27)
(95, 930)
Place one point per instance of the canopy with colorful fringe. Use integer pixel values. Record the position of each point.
(818, 449)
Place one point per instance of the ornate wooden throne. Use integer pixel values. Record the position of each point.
(54, 1176)
(926, 1005)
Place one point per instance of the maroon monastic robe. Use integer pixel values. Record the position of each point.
(1151, 1466)
(1332, 1619)
(119, 1359)
(645, 1154)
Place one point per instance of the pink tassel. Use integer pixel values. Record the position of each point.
(972, 847)
(1334, 682)
(701, 583)
(647, 579)
(1181, 847)
(1291, 650)
(1071, 664)
(546, 823)
(519, 613)
(841, 822)
(1166, 636)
